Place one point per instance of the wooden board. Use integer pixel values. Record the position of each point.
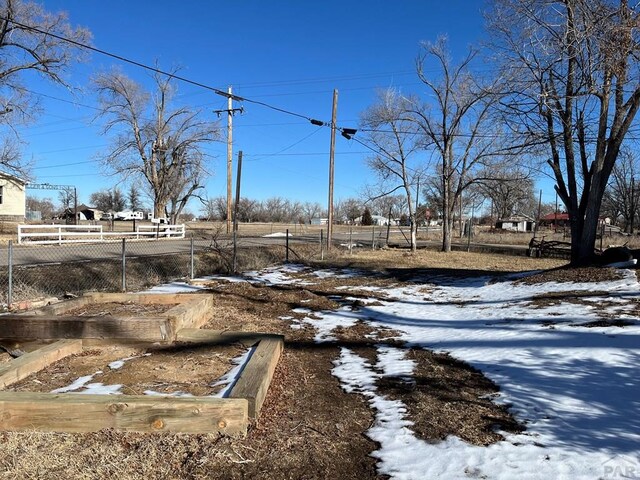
(192, 314)
(69, 412)
(222, 337)
(46, 327)
(144, 298)
(255, 378)
(32, 362)
(60, 307)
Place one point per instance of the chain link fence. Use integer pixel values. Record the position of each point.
(36, 271)
(30, 272)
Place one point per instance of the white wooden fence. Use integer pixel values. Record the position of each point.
(59, 234)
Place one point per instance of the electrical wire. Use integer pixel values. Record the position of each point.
(121, 58)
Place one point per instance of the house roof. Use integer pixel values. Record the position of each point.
(82, 206)
(516, 218)
(556, 216)
(12, 178)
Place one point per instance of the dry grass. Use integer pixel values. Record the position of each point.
(384, 259)
(309, 427)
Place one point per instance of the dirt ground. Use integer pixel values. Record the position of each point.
(120, 309)
(176, 370)
(309, 427)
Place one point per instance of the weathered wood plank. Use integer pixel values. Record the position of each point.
(192, 314)
(46, 327)
(222, 337)
(15, 370)
(143, 298)
(60, 307)
(68, 412)
(256, 377)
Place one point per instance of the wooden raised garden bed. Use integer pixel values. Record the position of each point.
(95, 319)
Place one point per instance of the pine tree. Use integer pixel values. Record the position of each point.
(367, 219)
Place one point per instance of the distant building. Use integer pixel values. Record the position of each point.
(319, 221)
(12, 198)
(378, 220)
(516, 223)
(557, 219)
(84, 212)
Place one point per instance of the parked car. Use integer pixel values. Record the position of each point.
(107, 216)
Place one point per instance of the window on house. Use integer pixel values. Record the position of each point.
(1, 194)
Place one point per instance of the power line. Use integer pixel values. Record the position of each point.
(63, 164)
(290, 146)
(217, 91)
(304, 154)
(77, 104)
(325, 79)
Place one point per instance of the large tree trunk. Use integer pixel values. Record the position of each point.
(159, 209)
(447, 210)
(583, 252)
(447, 227)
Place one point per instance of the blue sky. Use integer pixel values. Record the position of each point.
(288, 54)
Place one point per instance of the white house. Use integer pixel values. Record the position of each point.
(516, 223)
(378, 220)
(12, 198)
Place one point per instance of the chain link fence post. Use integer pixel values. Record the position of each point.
(286, 256)
(10, 274)
(191, 264)
(124, 265)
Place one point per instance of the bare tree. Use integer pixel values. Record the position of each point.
(44, 206)
(110, 200)
(67, 200)
(311, 210)
(26, 46)
(153, 142)
(275, 209)
(510, 190)
(394, 205)
(622, 197)
(133, 197)
(456, 124)
(396, 141)
(247, 209)
(348, 210)
(573, 68)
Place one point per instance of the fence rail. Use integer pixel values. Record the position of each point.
(59, 234)
(29, 272)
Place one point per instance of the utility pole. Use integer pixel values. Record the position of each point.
(415, 214)
(535, 228)
(230, 111)
(332, 152)
(235, 215)
(633, 203)
(229, 156)
(555, 216)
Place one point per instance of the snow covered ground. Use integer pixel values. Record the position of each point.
(576, 388)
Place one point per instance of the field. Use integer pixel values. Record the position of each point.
(482, 234)
(397, 365)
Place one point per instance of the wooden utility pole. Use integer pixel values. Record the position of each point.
(332, 152)
(235, 215)
(535, 228)
(229, 156)
(633, 203)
